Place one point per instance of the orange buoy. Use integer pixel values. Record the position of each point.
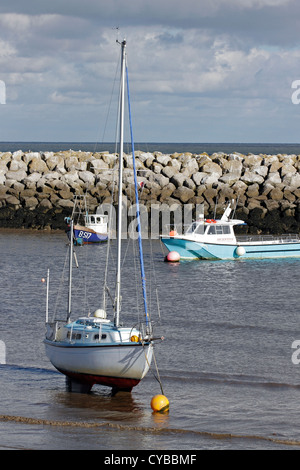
(172, 233)
(160, 403)
(173, 257)
(134, 339)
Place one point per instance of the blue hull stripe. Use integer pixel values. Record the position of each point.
(88, 236)
(189, 249)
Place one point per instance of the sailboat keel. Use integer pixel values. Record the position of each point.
(77, 387)
(83, 383)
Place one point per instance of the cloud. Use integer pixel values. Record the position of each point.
(215, 14)
(193, 65)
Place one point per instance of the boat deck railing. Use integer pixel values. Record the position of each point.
(288, 238)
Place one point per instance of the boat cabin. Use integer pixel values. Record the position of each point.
(85, 330)
(97, 222)
(211, 229)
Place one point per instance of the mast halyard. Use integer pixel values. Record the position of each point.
(143, 277)
(119, 231)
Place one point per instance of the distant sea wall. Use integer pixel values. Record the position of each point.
(37, 189)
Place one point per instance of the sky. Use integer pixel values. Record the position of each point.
(200, 71)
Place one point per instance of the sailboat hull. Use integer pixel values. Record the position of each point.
(118, 366)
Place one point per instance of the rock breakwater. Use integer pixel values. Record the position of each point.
(37, 189)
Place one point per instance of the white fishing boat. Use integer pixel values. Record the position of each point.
(94, 349)
(215, 239)
(87, 228)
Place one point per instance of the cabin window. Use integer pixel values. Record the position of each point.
(200, 229)
(192, 228)
(219, 230)
(74, 335)
(96, 337)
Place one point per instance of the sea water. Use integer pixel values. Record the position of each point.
(228, 363)
(164, 147)
(225, 364)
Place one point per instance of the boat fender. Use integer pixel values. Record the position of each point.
(211, 221)
(240, 250)
(100, 313)
(172, 233)
(173, 257)
(134, 339)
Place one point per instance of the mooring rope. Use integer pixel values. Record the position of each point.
(157, 372)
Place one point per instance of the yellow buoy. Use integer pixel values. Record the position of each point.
(134, 339)
(160, 403)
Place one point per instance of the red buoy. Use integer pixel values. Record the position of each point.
(173, 257)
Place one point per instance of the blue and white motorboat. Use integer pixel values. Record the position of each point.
(87, 228)
(211, 239)
(95, 349)
(93, 231)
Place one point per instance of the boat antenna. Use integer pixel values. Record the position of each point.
(118, 30)
(235, 207)
(215, 211)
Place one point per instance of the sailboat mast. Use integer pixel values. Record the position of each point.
(70, 271)
(119, 231)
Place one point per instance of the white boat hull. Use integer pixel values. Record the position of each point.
(120, 366)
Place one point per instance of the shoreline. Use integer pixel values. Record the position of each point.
(42, 231)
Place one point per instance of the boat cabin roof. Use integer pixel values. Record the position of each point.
(213, 227)
(91, 322)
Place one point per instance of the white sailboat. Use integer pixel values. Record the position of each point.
(94, 349)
